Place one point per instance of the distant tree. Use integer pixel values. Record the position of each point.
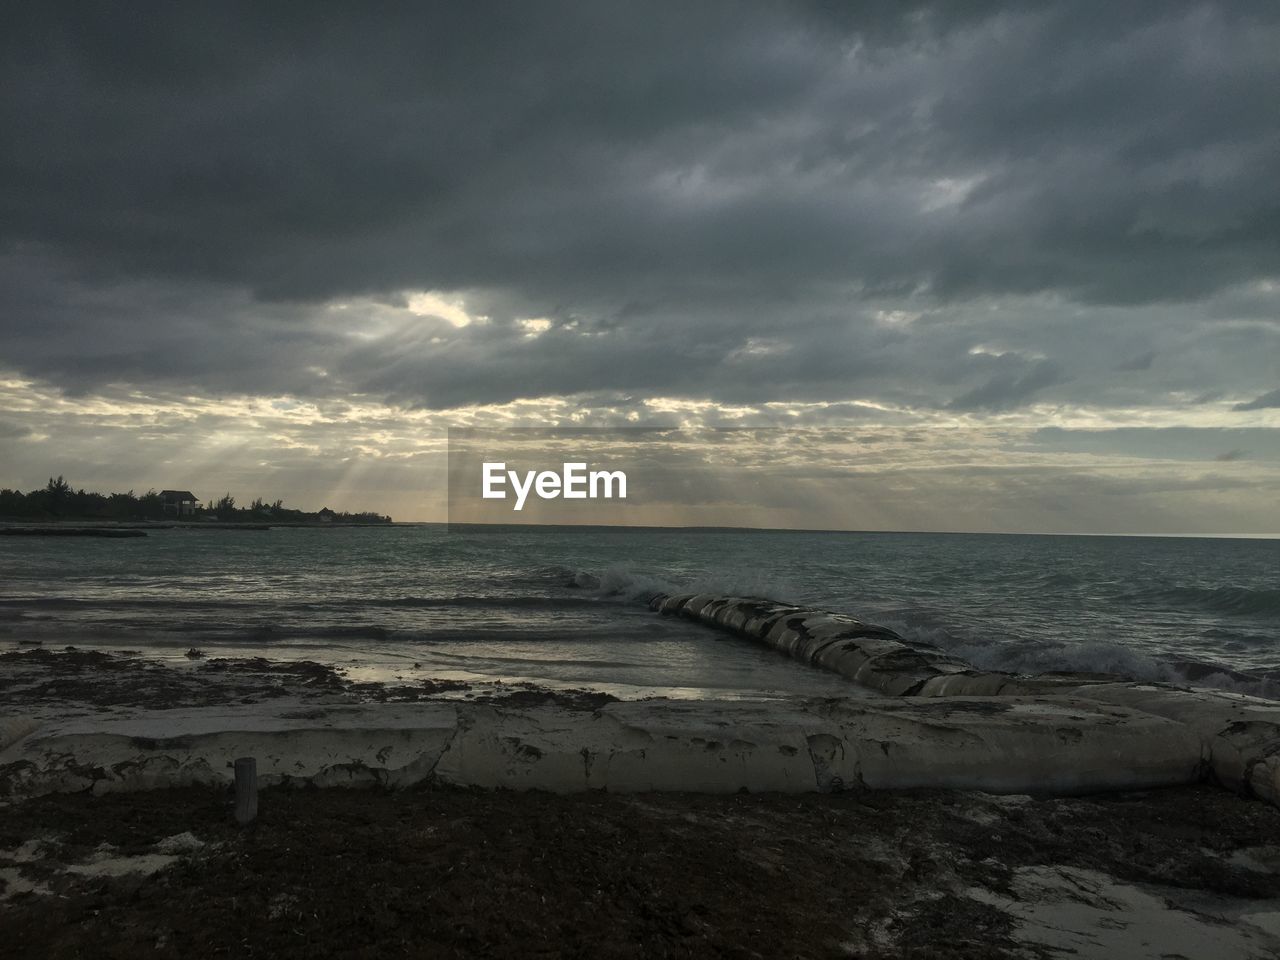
(57, 493)
(56, 500)
(122, 506)
(13, 503)
(152, 506)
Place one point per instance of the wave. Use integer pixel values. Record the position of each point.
(1094, 656)
(1231, 601)
(575, 603)
(1008, 654)
(465, 601)
(623, 582)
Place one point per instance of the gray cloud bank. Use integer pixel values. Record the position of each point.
(678, 174)
(947, 209)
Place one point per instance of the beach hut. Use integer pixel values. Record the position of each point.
(181, 503)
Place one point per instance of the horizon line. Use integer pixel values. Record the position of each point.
(749, 529)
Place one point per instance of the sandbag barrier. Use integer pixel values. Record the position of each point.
(1240, 734)
(872, 656)
(1004, 745)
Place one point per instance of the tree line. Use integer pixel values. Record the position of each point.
(58, 500)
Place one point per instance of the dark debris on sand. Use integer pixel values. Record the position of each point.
(455, 873)
(125, 678)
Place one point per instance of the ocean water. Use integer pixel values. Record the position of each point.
(561, 606)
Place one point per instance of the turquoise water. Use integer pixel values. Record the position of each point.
(560, 605)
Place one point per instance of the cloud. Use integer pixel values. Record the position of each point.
(891, 214)
(1142, 361)
(1164, 444)
(1267, 401)
(13, 431)
(1008, 390)
(601, 152)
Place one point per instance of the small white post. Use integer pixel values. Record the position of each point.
(246, 790)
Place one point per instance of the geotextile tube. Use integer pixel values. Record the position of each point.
(1240, 735)
(869, 655)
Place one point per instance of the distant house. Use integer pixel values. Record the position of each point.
(326, 515)
(180, 503)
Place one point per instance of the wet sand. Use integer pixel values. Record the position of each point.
(94, 681)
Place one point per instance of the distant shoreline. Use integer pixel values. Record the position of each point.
(100, 524)
(50, 526)
(704, 528)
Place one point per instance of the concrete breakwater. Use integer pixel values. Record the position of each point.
(1239, 735)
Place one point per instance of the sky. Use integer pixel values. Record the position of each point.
(973, 266)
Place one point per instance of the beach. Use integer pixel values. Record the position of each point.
(776, 779)
(753, 480)
(110, 853)
(451, 872)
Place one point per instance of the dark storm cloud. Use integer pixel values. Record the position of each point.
(708, 200)
(1141, 362)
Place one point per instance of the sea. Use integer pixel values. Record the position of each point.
(564, 607)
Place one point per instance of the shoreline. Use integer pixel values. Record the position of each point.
(93, 721)
(914, 716)
(640, 528)
(51, 528)
(935, 810)
(527, 819)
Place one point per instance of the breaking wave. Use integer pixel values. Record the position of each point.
(1092, 656)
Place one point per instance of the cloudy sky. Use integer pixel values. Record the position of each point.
(987, 266)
